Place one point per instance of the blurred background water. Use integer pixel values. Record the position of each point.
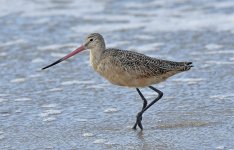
(71, 107)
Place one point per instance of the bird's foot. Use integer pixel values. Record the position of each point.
(134, 127)
(138, 121)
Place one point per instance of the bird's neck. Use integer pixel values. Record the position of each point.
(95, 56)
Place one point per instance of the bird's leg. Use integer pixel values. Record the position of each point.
(144, 105)
(139, 115)
(143, 98)
(160, 94)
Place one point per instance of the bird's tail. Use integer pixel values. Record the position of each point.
(185, 66)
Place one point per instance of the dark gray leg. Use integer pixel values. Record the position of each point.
(145, 106)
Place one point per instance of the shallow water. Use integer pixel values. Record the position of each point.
(70, 107)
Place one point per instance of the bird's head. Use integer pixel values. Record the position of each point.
(93, 41)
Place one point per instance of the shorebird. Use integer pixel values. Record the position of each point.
(128, 68)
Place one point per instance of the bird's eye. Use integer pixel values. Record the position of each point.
(91, 40)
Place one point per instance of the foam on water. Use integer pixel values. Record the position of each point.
(99, 141)
(2, 54)
(55, 90)
(44, 114)
(221, 147)
(49, 119)
(30, 9)
(23, 99)
(49, 105)
(52, 112)
(88, 134)
(3, 95)
(18, 80)
(2, 100)
(110, 143)
(77, 82)
(213, 46)
(100, 86)
(34, 75)
(189, 80)
(5, 114)
(81, 120)
(152, 20)
(196, 20)
(111, 110)
(220, 62)
(37, 60)
(18, 111)
(222, 96)
(10, 43)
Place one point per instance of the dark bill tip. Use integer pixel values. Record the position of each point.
(79, 49)
(58, 61)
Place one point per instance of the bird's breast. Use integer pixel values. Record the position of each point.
(119, 76)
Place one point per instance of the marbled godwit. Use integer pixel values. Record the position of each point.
(127, 68)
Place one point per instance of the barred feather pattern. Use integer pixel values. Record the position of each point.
(132, 69)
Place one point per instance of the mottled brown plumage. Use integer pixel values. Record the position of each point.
(128, 68)
(132, 69)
